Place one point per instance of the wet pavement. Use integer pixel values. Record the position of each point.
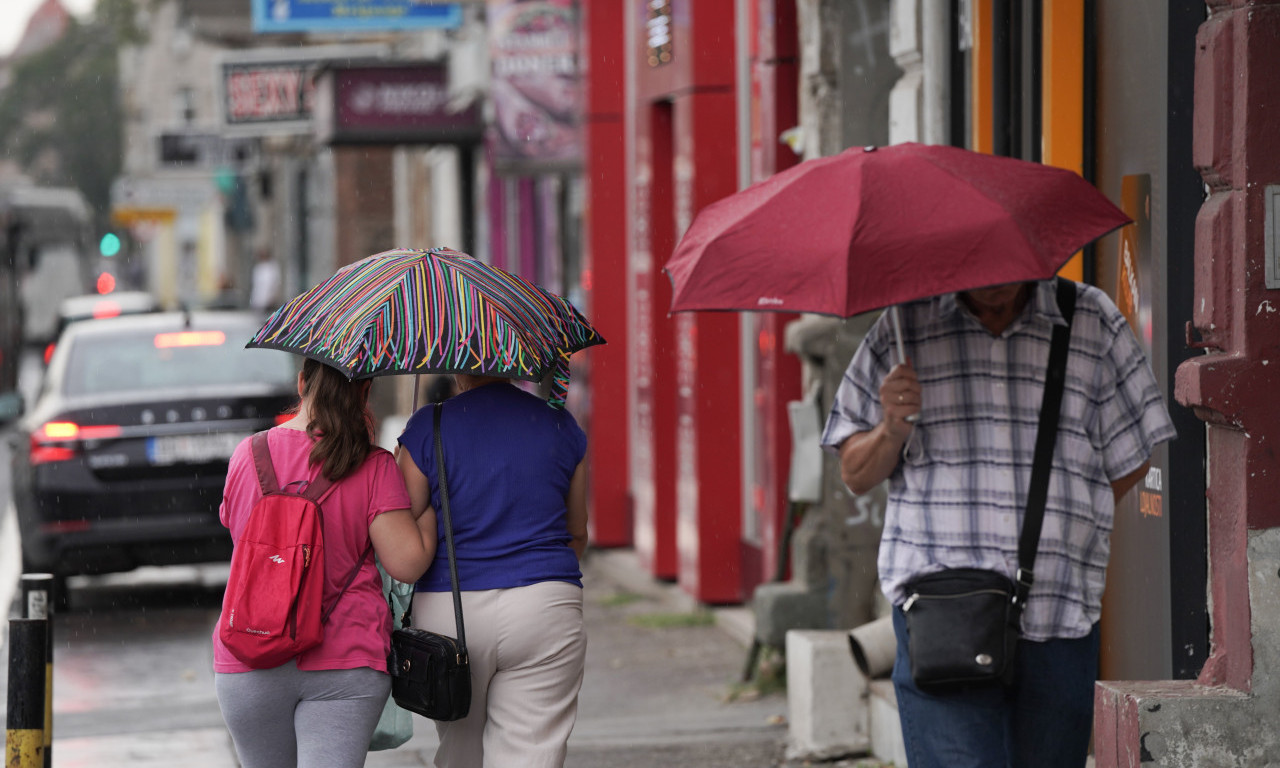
(133, 685)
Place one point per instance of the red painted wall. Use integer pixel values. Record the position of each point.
(653, 342)
(708, 370)
(774, 108)
(686, 391)
(605, 274)
(1237, 106)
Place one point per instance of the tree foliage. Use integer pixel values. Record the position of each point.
(61, 118)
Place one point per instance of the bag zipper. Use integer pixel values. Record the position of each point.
(293, 609)
(911, 599)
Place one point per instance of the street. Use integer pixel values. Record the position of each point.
(133, 684)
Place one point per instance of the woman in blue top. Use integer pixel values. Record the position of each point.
(517, 493)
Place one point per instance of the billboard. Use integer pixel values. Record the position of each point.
(353, 15)
(392, 104)
(271, 91)
(536, 85)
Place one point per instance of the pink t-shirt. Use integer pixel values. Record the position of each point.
(358, 632)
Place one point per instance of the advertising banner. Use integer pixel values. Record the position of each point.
(353, 15)
(400, 104)
(270, 91)
(536, 85)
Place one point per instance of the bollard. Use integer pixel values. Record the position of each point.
(24, 739)
(37, 603)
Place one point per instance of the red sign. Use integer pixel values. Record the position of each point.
(393, 105)
(268, 92)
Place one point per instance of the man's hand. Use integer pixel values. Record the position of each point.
(900, 400)
(867, 458)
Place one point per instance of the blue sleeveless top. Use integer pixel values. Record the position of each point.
(509, 459)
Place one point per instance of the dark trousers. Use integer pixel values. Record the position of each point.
(1044, 720)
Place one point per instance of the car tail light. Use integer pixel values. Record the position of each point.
(282, 418)
(65, 526)
(190, 339)
(60, 440)
(48, 352)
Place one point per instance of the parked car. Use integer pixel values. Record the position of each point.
(122, 459)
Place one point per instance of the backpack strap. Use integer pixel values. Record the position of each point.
(262, 464)
(314, 490)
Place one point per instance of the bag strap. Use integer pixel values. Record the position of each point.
(354, 573)
(1046, 437)
(314, 490)
(262, 464)
(448, 528)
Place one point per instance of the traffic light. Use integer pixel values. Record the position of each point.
(109, 245)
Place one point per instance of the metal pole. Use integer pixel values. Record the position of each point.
(37, 603)
(24, 738)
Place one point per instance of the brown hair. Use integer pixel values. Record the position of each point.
(341, 423)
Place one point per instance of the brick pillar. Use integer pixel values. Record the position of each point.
(1227, 716)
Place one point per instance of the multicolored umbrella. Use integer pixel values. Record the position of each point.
(432, 311)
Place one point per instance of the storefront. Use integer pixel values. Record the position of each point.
(1104, 88)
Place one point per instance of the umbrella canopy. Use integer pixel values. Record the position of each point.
(433, 311)
(873, 227)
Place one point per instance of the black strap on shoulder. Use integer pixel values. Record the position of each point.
(448, 528)
(1046, 437)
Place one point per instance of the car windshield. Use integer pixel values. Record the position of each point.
(138, 361)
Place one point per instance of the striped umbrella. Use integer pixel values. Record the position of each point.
(433, 311)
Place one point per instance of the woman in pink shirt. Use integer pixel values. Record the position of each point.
(321, 707)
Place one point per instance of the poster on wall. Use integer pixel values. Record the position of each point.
(536, 85)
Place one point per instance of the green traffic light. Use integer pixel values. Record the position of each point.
(109, 245)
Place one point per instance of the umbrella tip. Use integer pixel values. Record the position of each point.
(869, 148)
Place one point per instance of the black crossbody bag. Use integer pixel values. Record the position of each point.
(430, 672)
(963, 623)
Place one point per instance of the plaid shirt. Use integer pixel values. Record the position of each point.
(956, 499)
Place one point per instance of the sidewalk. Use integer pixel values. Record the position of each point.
(662, 688)
(662, 682)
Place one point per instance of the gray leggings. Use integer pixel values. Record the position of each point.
(286, 718)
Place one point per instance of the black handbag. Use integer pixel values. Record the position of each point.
(430, 672)
(963, 624)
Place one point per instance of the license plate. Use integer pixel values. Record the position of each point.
(192, 449)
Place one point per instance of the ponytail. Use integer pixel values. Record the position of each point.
(341, 424)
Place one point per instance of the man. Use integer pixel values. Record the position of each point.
(953, 430)
(264, 290)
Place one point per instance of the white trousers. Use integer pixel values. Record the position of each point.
(527, 647)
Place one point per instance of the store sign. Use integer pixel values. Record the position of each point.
(271, 91)
(658, 32)
(536, 85)
(353, 15)
(136, 201)
(392, 105)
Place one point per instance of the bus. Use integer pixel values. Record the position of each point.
(45, 233)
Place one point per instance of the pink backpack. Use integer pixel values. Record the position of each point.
(272, 609)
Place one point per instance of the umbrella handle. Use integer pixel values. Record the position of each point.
(896, 318)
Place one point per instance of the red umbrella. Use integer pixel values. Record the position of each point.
(873, 227)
